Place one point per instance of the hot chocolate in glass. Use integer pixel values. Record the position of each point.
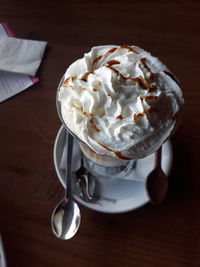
(121, 103)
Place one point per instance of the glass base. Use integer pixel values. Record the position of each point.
(114, 172)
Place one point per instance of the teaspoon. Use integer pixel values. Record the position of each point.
(157, 181)
(66, 216)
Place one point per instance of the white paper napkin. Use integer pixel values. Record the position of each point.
(20, 56)
(19, 62)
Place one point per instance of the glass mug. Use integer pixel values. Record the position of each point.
(101, 166)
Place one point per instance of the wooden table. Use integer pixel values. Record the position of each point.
(163, 235)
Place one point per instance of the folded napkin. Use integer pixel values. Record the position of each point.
(19, 62)
(20, 56)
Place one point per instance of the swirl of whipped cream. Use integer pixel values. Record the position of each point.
(120, 100)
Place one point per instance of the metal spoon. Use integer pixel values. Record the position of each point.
(157, 181)
(66, 216)
(86, 181)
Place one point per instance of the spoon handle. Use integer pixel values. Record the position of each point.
(69, 147)
(158, 157)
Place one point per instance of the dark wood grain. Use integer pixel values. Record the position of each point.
(166, 235)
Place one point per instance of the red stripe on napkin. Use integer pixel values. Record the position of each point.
(8, 30)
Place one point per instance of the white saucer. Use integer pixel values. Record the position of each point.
(116, 195)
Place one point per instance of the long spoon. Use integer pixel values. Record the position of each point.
(66, 216)
(157, 181)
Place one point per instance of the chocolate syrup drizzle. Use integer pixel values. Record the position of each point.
(117, 153)
(93, 125)
(142, 114)
(112, 50)
(66, 82)
(85, 76)
(112, 62)
(120, 117)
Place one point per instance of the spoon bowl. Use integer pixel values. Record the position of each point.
(157, 181)
(66, 219)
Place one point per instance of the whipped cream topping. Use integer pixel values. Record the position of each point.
(120, 101)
